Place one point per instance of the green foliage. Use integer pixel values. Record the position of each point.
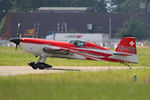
(134, 27)
(94, 5)
(5, 5)
(101, 6)
(33, 4)
(127, 5)
(2, 26)
(84, 3)
(101, 85)
(25, 4)
(130, 6)
(117, 2)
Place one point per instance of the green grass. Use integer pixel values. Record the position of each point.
(8, 58)
(102, 85)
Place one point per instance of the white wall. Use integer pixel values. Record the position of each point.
(96, 38)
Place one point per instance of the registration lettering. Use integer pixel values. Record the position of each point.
(128, 49)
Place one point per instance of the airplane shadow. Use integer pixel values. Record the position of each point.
(63, 69)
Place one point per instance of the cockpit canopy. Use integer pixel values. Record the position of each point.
(78, 43)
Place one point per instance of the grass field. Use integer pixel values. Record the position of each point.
(102, 85)
(9, 57)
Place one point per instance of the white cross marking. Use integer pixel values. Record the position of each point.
(131, 43)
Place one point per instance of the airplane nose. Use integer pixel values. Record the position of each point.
(16, 41)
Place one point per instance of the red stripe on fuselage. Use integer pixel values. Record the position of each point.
(46, 42)
(88, 57)
(68, 46)
(93, 52)
(94, 46)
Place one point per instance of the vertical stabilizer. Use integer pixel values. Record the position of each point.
(127, 45)
(126, 50)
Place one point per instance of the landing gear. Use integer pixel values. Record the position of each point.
(33, 65)
(128, 65)
(40, 65)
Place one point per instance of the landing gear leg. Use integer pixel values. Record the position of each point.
(129, 66)
(39, 59)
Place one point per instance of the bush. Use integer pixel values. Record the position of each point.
(2, 26)
(134, 27)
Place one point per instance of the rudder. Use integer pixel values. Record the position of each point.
(127, 45)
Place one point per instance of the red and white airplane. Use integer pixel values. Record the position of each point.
(77, 49)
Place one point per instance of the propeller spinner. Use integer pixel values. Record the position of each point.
(16, 41)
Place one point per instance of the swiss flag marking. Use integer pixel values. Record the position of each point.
(127, 45)
(131, 43)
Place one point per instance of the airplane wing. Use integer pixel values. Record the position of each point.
(121, 54)
(56, 50)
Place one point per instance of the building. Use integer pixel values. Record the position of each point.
(62, 9)
(46, 23)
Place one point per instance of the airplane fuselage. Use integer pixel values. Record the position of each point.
(35, 47)
(85, 50)
(77, 49)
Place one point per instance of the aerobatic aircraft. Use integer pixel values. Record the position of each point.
(77, 49)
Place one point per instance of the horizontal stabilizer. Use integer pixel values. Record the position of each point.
(121, 54)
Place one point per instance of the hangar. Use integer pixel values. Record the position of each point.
(45, 23)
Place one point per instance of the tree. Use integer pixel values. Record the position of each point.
(134, 27)
(118, 4)
(127, 5)
(33, 4)
(100, 6)
(94, 5)
(2, 26)
(84, 3)
(130, 6)
(5, 5)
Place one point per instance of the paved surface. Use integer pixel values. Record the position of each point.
(22, 70)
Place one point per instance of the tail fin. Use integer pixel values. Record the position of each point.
(127, 45)
(126, 50)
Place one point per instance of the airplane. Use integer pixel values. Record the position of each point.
(77, 49)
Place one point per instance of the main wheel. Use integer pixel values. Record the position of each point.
(42, 65)
(33, 65)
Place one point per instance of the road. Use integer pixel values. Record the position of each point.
(23, 70)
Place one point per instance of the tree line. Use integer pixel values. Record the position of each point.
(95, 5)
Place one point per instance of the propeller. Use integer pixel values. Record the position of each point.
(18, 39)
